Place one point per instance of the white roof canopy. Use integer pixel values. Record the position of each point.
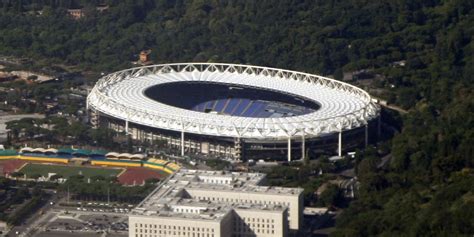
(343, 106)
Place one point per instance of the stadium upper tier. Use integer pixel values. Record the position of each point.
(329, 105)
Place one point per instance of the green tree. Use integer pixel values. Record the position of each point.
(17, 175)
(331, 196)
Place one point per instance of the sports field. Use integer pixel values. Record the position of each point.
(66, 171)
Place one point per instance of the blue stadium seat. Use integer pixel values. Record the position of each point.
(220, 105)
(259, 109)
(231, 105)
(209, 105)
(241, 107)
(252, 109)
(200, 107)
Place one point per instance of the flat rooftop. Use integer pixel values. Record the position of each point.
(172, 197)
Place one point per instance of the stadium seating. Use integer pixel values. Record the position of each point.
(231, 105)
(235, 101)
(244, 103)
(220, 105)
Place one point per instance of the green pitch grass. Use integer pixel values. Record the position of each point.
(66, 171)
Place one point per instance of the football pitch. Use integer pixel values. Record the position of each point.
(31, 169)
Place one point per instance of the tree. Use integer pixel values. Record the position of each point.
(97, 178)
(55, 177)
(129, 144)
(60, 127)
(103, 137)
(36, 176)
(17, 175)
(79, 132)
(332, 196)
(152, 181)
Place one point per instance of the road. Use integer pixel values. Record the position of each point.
(384, 160)
(33, 220)
(396, 108)
(391, 106)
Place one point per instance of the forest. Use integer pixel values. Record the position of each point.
(428, 188)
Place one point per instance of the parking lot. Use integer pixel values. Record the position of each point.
(81, 234)
(105, 222)
(86, 225)
(102, 207)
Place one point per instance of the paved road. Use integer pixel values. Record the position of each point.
(384, 160)
(34, 219)
(391, 106)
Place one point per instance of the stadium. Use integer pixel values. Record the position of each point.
(234, 111)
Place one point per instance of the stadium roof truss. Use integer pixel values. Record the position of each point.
(343, 106)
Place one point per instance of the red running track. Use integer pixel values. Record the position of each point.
(137, 176)
(9, 166)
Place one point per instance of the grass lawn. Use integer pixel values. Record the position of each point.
(66, 171)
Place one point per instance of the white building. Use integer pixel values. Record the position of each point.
(3, 228)
(200, 203)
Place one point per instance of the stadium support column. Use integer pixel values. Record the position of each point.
(237, 148)
(289, 149)
(339, 148)
(303, 147)
(182, 142)
(126, 127)
(366, 134)
(94, 118)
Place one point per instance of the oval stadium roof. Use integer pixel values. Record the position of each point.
(343, 106)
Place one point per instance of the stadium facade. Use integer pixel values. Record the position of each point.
(234, 111)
